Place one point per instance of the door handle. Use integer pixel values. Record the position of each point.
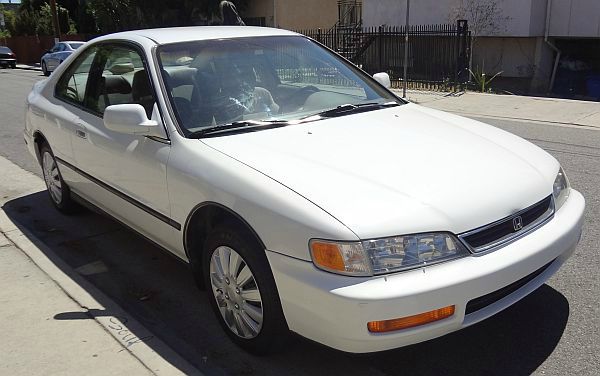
(80, 133)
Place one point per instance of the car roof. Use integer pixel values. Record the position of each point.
(191, 33)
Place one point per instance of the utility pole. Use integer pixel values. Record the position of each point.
(55, 21)
(405, 83)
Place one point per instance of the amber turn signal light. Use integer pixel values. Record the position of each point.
(327, 255)
(410, 321)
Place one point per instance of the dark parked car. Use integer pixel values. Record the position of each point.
(7, 57)
(58, 54)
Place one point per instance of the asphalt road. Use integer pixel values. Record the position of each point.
(555, 330)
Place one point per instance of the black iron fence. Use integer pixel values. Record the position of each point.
(438, 55)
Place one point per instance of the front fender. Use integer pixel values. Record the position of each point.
(283, 220)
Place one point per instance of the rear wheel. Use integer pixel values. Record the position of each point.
(45, 69)
(59, 192)
(242, 291)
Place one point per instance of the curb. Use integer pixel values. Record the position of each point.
(28, 67)
(118, 323)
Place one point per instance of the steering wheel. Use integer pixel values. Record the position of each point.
(71, 93)
(297, 99)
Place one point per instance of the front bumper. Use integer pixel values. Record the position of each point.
(334, 309)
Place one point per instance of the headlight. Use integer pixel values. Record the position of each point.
(380, 256)
(561, 189)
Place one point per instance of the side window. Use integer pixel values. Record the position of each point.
(119, 77)
(72, 84)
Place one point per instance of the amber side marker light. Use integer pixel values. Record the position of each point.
(410, 321)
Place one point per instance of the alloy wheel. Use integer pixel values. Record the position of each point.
(52, 177)
(236, 292)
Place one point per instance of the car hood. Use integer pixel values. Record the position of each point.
(400, 170)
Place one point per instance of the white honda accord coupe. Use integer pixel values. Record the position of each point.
(304, 195)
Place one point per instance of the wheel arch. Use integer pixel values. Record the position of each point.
(38, 140)
(206, 216)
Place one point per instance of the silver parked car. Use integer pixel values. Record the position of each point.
(57, 54)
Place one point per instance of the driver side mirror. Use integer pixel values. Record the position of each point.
(131, 119)
(384, 79)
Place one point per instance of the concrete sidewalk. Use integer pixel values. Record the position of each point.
(35, 341)
(514, 107)
(55, 322)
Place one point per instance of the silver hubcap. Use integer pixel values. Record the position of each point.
(52, 177)
(236, 292)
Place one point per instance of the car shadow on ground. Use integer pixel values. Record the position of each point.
(159, 291)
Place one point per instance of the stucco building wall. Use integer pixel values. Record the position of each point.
(526, 18)
(294, 15)
(518, 46)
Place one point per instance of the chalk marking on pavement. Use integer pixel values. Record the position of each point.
(83, 292)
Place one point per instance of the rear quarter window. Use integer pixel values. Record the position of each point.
(72, 85)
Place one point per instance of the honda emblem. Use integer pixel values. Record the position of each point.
(517, 223)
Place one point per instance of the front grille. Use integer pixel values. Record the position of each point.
(501, 232)
(485, 300)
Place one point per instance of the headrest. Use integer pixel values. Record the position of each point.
(180, 76)
(116, 85)
(141, 84)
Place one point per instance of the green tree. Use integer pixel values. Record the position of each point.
(45, 27)
(9, 23)
(34, 17)
(118, 15)
(111, 15)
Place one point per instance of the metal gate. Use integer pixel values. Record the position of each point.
(438, 55)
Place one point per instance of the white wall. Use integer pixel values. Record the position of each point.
(575, 18)
(527, 18)
(515, 57)
(393, 12)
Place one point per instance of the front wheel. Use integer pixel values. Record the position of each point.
(45, 69)
(59, 192)
(242, 291)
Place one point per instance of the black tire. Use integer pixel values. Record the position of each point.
(274, 330)
(55, 183)
(14, 66)
(45, 69)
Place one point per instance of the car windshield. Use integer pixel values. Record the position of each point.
(5, 50)
(262, 80)
(75, 45)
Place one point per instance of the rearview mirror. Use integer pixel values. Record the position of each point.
(383, 78)
(131, 119)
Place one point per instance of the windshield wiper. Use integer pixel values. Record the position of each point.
(345, 109)
(237, 126)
